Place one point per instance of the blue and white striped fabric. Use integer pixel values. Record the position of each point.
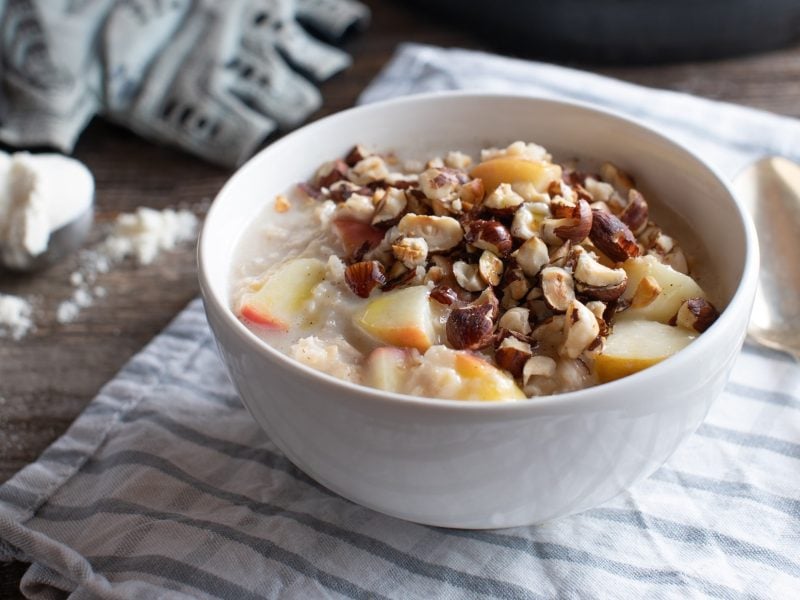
(165, 487)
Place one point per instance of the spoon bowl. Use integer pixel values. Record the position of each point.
(770, 190)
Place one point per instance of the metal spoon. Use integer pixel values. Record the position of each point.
(770, 189)
(63, 241)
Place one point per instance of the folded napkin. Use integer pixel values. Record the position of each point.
(214, 78)
(165, 487)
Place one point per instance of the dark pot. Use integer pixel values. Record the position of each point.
(628, 31)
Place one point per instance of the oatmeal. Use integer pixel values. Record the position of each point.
(500, 277)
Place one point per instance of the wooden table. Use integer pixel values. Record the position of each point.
(47, 378)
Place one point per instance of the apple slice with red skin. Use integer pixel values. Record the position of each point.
(388, 366)
(279, 301)
(356, 235)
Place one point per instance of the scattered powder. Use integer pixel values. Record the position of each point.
(140, 236)
(15, 317)
(145, 233)
(69, 310)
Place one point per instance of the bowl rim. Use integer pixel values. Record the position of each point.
(586, 398)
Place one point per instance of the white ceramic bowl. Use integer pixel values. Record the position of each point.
(482, 465)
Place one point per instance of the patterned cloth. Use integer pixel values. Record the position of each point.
(165, 487)
(214, 78)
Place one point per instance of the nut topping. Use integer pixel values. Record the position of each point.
(696, 314)
(616, 177)
(581, 329)
(490, 267)
(444, 295)
(363, 277)
(468, 276)
(411, 251)
(635, 214)
(558, 288)
(472, 193)
(390, 206)
(512, 354)
(516, 319)
(612, 237)
(438, 184)
(440, 233)
(503, 198)
(532, 256)
(577, 226)
(647, 291)
(330, 173)
(357, 154)
(598, 281)
(369, 170)
(489, 235)
(519, 260)
(538, 366)
(470, 327)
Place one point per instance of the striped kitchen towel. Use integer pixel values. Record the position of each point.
(165, 487)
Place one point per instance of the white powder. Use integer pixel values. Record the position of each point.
(142, 236)
(39, 193)
(15, 317)
(145, 233)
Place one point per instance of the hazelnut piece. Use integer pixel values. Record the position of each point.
(489, 235)
(580, 329)
(363, 277)
(470, 327)
(557, 288)
(696, 314)
(390, 206)
(468, 276)
(411, 251)
(532, 256)
(612, 237)
(490, 267)
(516, 319)
(512, 354)
(598, 281)
(636, 213)
(440, 233)
(438, 184)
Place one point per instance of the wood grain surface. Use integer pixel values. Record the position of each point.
(47, 378)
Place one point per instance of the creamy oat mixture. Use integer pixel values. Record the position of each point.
(496, 277)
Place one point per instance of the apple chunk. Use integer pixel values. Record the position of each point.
(387, 367)
(399, 318)
(636, 345)
(281, 297)
(675, 289)
(508, 169)
(483, 381)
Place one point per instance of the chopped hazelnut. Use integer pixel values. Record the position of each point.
(503, 198)
(516, 319)
(468, 276)
(441, 233)
(490, 267)
(696, 314)
(368, 170)
(558, 288)
(411, 251)
(580, 329)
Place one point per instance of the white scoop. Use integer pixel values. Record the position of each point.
(45, 208)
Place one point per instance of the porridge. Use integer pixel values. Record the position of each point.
(497, 277)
